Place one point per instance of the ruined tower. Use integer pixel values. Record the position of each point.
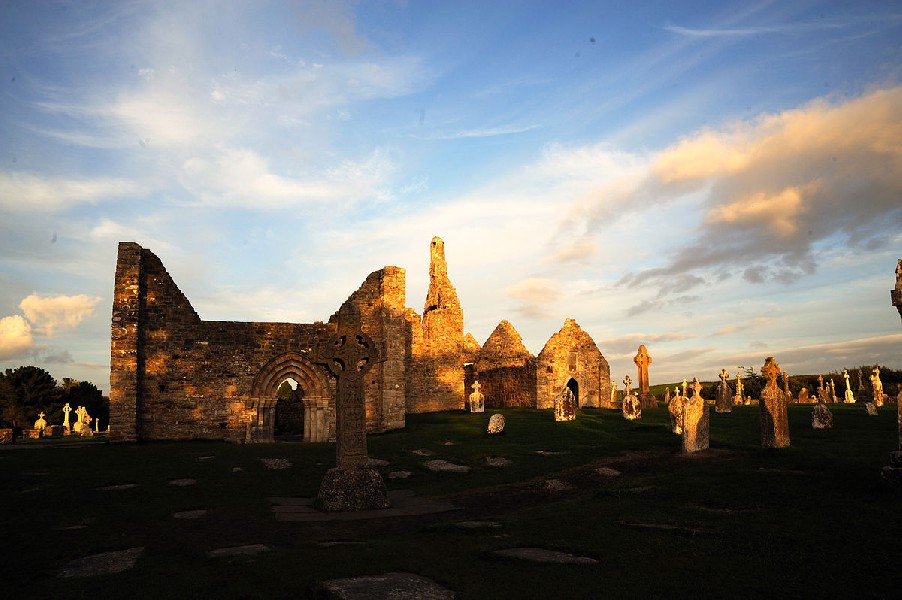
(438, 348)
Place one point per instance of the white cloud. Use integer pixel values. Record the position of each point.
(16, 340)
(25, 192)
(51, 313)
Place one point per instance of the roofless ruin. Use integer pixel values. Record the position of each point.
(174, 376)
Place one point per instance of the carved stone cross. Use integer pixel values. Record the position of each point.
(626, 384)
(724, 375)
(696, 387)
(66, 410)
(476, 387)
(349, 356)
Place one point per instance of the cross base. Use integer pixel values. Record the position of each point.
(361, 488)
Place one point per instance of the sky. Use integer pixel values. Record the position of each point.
(720, 181)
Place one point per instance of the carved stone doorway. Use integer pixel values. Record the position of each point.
(289, 421)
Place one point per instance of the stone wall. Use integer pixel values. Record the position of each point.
(175, 376)
(506, 370)
(572, 354)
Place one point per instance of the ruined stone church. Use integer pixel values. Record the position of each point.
(175, 376)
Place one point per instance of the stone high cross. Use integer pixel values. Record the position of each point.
(476, 386)
(349, 356)
(724, 375)
(772, 409)
(642, 360)
(66, 410)
(626, 384)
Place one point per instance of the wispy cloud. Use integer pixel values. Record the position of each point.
(484, 132)
(20, 192)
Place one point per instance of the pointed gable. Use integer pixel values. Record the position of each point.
(504, 348)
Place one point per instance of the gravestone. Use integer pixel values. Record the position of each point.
(6, 436)
(871, 407)
(675, 407)
(849, 396)
(53, 431)
(737, 397)
(667, 395)
(477, 400)
(40, 424)
(772, 409)
(823, 393)
(80, 413)
(877, 386)
(861, 389)
(803, 396)
(833, 391)
(632, 407)
(613, 393)
(565, 405)
(496, 424)
(642, 360)
(352, 484)
(696, 420)
(786, 386)
(66, 410)
(31, 434)
(821, 417)
(724, 401)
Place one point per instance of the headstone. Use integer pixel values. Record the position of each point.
(772, 409)
(6, 436)
(724, 401)
(823, 393)
(861, 389)
(477, 400)
(632, 407)
(613, 393)
(66, 410)
(675, 407)
(877, 386)
(803, 396)
(496, 424)
(352, 484)
(871, 408)
(642, 360)
(833, 391)
(786, 386)
(40, 424)
(849, 396)
(53, 431)
(565, 405)
(31, 434)
(667, 395)
(821, 417)
(696, 421)
(737, 397)
(80, 413)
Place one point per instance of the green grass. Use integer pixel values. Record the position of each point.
(811, 520)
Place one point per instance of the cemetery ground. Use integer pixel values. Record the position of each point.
(815, 519)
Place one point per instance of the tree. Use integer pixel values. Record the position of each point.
(34, 390)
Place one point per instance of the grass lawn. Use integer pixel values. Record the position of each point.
(813, 520)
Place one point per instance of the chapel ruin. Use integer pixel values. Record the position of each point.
(174, 376)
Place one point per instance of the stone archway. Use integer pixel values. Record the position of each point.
(315, 389)
(574, 387)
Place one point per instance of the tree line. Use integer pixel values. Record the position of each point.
(27, 391)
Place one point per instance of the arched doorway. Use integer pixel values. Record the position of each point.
(307, 412)
(289, 423)
(574, 387)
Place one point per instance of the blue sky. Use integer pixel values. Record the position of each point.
(719, 181)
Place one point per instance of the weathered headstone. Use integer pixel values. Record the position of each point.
(833, 391)
(613, 393)
(632, 407)
(496, 424)
(823, 393)
(6, 436)
(675, 408)
(772, 409)
(877, 386)
(803, 396)
(724, 401)
(40, 424)
(737, 397)
(786, 390)
(66, 410)
(696, 421)
(53, 431)
(477, 400)
(80, 413)
(871, 407)
(821, 417)
(565, 405)
(642, 360)
(667, 395)
(849, 396)
(352, 484)
(861, 389)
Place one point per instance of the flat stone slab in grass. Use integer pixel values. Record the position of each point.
(399, 474)
(398, 586)
(665, 527)
(121, 486)
(556, 485)
(497, 461)
(545, 555)
(445, 466)
(403, 503)
(186, 481)
(607, 471)
(190, 514)
(246, 550)
(478, 524)
(205, 457)
(549, 453)
(104, 563)
(276, 463)
(377, 462)
(422, 452)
